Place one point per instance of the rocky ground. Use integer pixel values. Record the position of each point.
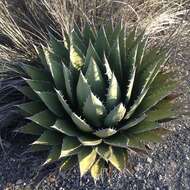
(167, 168)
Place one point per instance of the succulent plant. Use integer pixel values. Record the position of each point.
(95, 97)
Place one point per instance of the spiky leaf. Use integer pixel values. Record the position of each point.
(103, 133)
(44, 118)
(28, 92)
(64, 102)
(70, 146)
(104, 151)
(89, 140)
(32, 129)
(36, 73)
(118, 140)
(68, 83)
(97, 168)
(115, 61)
(38, 85)
(133, 122)
(114, 93)
(115, 115)
(68, 163)
(80, 123)
(51, 100)
(86, 157)
(83, 89)
(59, 48)
(94, 110)
(32, 107)
(54, 154)
(55, 67)
(95, 79)
(49, 138)
(65, 127)
(117, 158)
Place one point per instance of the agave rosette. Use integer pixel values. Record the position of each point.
(94, 96)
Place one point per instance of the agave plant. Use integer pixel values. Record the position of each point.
(95, 97)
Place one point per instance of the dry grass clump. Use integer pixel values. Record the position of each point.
(26, 22)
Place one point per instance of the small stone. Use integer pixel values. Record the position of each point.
(19, 182)
(149, 160)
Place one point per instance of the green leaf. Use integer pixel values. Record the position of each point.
(115, 34)
(118, 158)
(104, 151)
(65, 127)
(143, 127)
(136, 104)
(86, 157)
(44, 119)
(36, 73)
(63, 102)
(38, 85)
(88, 34)
(32, 107)
(89, 140)
(145, 80)
(149, 58)
(147, 75)
(70, 146)
(122, 44)
(118, 140)
(94, 110)
(153, 97)
(91, 53)
(83, 89)
(28, 92)
(80, 123)
(102, 44)
(115, 61)
(141, 139)
(131, 39)
(53, 155)
(133, 57)
(108, 70)
(77, 31)
(55, 67)
(114, 94)
(40, 52)
(133, 122)
(109, 31)
(141, 52)
(32, 129)
(49, 138)
(68, 83)
(51, 100)
(162, 110)
(76, 57)
(59, 48)
(97, 168)
(103, 133)
(95, 79)
(77, 50)
(68, 163)
(115, 116)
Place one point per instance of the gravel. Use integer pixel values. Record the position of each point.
(167, 168)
